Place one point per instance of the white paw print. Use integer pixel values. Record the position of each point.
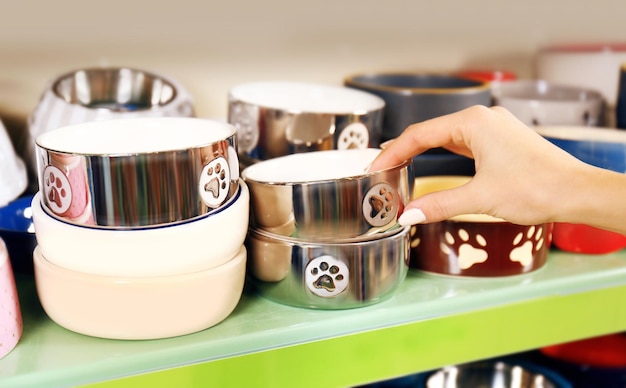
(326, 276)
(353, 136)
(57, 189)
(245, 118)
(527, 245)
(468, 254)
(215, 182)
(380, 205)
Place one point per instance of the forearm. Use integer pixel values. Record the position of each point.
(597, 198)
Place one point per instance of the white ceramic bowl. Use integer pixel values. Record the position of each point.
(10, 313)
(160, 251)
(139, 308)
(539, 102)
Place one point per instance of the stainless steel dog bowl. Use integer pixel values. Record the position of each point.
(281, 118)
(328, 275)
(326, 194)
(494, 374)
(137, 172)
(104, 93)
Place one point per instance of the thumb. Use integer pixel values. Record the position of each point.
(439, 206)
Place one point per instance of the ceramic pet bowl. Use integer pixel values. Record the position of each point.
(138, 172)
(412, 97)
(600, 147)
(13, 175)
(493, 374)
(585, 65)
(475, 244)
(280, 118)
(10, 313)
(326, 194)
(339, 274)
(538, 102)
(205, 242)
(134, 308)
(18, 232)
(94, 94)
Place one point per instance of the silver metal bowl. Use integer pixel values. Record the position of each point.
(326, 194)
(490, 374)
(138, 172)
(281, 118)
(104, 93)
(328, 275)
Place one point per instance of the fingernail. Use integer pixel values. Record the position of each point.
(386, 144)
(412, 217)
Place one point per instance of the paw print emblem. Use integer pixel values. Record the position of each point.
(526, 245)
(245, 118)
(380, 205)
(215, 182)
(57, 190)
(353, 136)
(326, 276)
(469, 252)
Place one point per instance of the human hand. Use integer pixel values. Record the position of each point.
(520, 176)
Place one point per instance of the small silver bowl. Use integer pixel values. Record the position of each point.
(281, 118)
(138, 172)
(104, 93)
(326, 194)
(494, 374)
(342, 274)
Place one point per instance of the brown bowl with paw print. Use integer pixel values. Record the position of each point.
(475, 244)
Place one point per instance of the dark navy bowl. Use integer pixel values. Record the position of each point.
(600, 147)
(18, 232)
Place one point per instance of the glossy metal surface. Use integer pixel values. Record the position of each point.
(327, 208)
(130, 190)
(269, 131)
(491, 375)
(340, 275)
(104, 93)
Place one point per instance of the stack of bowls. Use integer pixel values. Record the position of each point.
(140, 225)
(324, 232)
(278, 118)
(475, 244)
(103, 93)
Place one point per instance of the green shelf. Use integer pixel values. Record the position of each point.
(430, 322)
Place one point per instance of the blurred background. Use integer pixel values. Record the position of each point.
(210, 46)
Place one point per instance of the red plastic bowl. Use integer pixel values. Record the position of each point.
(580, 238)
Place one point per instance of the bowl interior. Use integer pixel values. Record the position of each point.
(312, 166)
(430, 184)
(117, 89)
(299, 97)
(583, 134)
(135, 135)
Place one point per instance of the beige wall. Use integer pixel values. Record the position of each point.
(211, 46)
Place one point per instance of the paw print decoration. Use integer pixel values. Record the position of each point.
(56, 189)
(214, 182)
(353, 136)
(380, 205)
(325, 276)
(472, 249)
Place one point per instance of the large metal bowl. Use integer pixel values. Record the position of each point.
(328, 275)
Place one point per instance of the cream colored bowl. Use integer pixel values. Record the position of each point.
(139, 308)
(160, 251)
